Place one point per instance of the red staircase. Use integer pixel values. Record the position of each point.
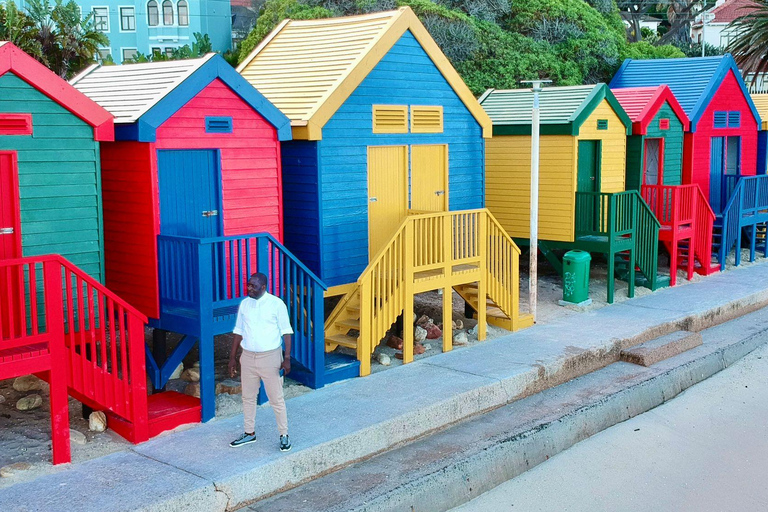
(62, 325)
(686, 227)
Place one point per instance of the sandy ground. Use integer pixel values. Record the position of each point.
(25, 436)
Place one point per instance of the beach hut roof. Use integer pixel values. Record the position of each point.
(308, 68)
(16, 61)
(562, 109)
(761, 103)
(145, 95)
(643, 103)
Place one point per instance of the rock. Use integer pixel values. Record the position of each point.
(2, 399)
(28, 383)
(427, 346)
(424, 321)
(458, 325)
(29, 402)
(12, 469)
(395, 343)
(383, 359)
(77, 437)
(177, 372)
(196, 364)
(229, 387)
(434, 332)
(191, 375)
(473, 331)
(414, 318)
(419, 334)
(418, 349)
(398, 355)
(460, 338)
(193, 389)
(97, 421)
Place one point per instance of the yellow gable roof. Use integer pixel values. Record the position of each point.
(308, 68)
(761, 104)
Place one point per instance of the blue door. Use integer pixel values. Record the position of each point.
(190, 193)
(716, 159)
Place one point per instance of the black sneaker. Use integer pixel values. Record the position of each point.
(243, 439)
(285, 443)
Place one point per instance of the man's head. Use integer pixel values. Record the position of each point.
(257, 285)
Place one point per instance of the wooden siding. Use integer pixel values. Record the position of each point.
(250, 157)
(728, 97)
(613, 159)
(508, 183)
(59, 178)
(673, 144)
(301, 201)
(405, 76)
(635, 159)
(131, 223)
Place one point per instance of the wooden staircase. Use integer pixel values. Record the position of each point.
(745, 213)
(465, 250)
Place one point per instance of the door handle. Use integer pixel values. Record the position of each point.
(439, 192)
(6, 231)
(210, 213)
(373, 199)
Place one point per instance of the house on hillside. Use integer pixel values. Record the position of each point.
(717, 33)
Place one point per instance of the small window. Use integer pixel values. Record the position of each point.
(15, 124)
(721, 119)
(734, 119)
(390, 119)
(183, 9)
(104, 54)
(218, 125)
(664, 124)
(153, 14)
(602, 124)
(129, 54)
(127, 19)
(167, 12)
(427, 119)
(157, 51)
(169, 52)
(101, 19)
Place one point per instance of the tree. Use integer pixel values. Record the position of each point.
(750, 44)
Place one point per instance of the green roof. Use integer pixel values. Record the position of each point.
(562, 109)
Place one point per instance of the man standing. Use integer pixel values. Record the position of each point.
(262, 326)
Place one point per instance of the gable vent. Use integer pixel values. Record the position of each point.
(427, 119)
(602, 124)
(390, 119)
(218, 125)
(15, 124)
(664, 124)
(721, 119)
(734, 119)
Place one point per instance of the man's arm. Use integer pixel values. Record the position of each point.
(286, 366)
(236, 339)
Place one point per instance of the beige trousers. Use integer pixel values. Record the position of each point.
(254, 368)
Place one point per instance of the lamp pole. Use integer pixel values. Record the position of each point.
(533, 279)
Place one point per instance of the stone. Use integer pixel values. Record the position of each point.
(473, 331)
(458, 325)
(419, 334)
(229, 387)
(196, 364)
(97, 421)
(395, 343)
(29, 402)
(193, 389)
(28, 383)
(418, 349)
(12, 469)
(177, 372)
(2, 399)
(427, 346)
(383, 359)
(424, 321)
(191, 375)
(414, 317)
(460, 338)
(77, 437)
(433, 332)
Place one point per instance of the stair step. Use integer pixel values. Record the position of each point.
(343, 340)
(352, 323)
(340, 367)
(166, 411)
(661, 348)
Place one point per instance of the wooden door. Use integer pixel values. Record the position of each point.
(588, 178)
(716, 171)
(10, 223)
(190, 193)
(429, 178)
(387, 193)
(652, 174)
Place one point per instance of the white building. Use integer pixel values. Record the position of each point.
(717, 19)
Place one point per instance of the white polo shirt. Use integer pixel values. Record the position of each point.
(262, 323)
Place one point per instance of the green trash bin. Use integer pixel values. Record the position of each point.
(576, 277)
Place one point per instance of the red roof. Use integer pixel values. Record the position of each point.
(643, 103)
(49, 83)
(730, 10)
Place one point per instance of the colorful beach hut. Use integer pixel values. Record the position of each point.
(721, 145)
(387, 141)
(583, 197)
(761, 103)
(193, 205)
(655, 169)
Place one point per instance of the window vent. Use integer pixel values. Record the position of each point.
(15, 124)
(664, 124)
(426, 119)
(734, 119)
(218, 125)
(721, 119)
(390, 119)
(602, 124)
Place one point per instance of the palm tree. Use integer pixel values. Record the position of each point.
(750, 44)
(18, 29)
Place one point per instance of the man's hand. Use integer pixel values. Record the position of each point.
(232, 367)
(286, 366)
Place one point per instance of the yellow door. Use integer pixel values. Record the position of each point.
(387, 193)
(429, 178)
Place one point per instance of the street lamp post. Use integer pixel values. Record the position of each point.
(534, 237)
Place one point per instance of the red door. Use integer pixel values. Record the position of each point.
(10, 225)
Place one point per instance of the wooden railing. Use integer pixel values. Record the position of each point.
(702, 235)
(673, 205)
(747, 206)
(210, 276)
(503, 270)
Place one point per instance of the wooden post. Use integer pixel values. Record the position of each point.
(364, 342)
(482, 284)
(447, 250)
(159, 351)
(409, 242)
(138, 373)
(318, 334)
(205, 343)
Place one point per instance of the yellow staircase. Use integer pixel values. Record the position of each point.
(463, 250)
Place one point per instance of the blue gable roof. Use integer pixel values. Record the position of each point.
(693, 81)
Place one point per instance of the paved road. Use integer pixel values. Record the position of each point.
(706, 450)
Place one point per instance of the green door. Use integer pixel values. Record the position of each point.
(588, 179)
